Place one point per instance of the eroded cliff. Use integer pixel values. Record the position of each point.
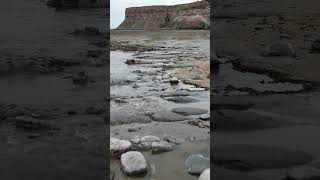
(186, 16)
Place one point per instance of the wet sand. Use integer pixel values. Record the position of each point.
(51, 126)
(265, 105)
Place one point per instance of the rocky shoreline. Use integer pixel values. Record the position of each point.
(166, 115)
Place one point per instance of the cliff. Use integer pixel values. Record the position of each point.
(186, 16)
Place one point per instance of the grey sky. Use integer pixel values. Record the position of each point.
(118, 7)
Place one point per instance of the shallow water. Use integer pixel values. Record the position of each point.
(146, 98)
(53, 90)
(31, 28)
(169, 165)
(147, 95)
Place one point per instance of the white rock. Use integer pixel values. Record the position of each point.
(205, 175)
(118, 146)
(134, 163)
(205, 117)
(150, 138)
(162, 146)
(146, 141)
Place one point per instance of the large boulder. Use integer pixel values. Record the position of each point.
(133, 163)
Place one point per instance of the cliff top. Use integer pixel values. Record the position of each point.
(195, 5)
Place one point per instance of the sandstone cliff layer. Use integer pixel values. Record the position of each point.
(186, 16)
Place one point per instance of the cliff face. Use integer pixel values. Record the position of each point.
(187, 16)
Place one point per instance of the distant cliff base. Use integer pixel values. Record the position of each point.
(186, 16)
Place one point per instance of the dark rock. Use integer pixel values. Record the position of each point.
(279, 48)
(94, 53)
(174, 81)
(174, 94)
(243, 157)
(135, 86)
(187, 111)
(182, 99)
(303, 173)
(29, 123)
(199, 123)
(120, 101)
(82, 78)
(315, 46)
(230, 120)
(167, 116)
(88, 31)
(94, 111)
(226, 174)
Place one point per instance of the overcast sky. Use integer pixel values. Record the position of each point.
(118, 7)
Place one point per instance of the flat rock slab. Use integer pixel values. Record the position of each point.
(304, 173)
(117, 146)
(153, 143)
(233, 120)
(225, 174)
(133, 163)
(182, 99)
(243, 157)
(174, 94)
(197, 163)
(127, 117)
(188, 111)
(167, 116)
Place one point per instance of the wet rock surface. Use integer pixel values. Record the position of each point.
(44, 132)
(118, 147)
(167, 116)
(250, 157)
(187, 111)
(197, 164)
(264, 87)
(155, 88)
(181, 99)
(123, 117)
